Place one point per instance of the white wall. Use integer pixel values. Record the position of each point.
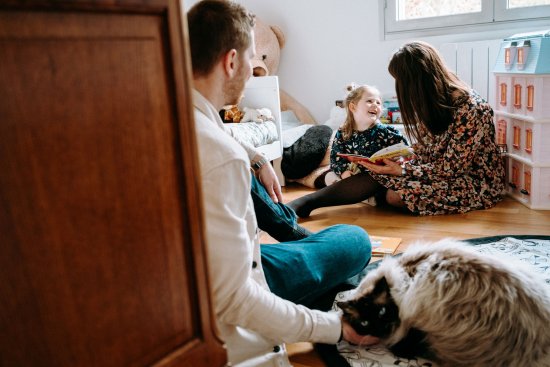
(330, 43)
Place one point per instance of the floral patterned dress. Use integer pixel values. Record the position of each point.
(365, 143)
(457, 171)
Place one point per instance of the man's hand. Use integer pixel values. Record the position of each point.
(351, 336)
(268, 178)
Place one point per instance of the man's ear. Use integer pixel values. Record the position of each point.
(230, 62)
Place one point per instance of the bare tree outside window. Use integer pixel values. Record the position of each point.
(526, 3)
(439, 16)
(415, 9)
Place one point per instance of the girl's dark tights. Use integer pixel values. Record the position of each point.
(351, 190)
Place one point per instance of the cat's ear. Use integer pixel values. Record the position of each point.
(343, 305)
(348, 307)
(381, 286)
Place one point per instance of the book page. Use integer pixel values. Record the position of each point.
(396, 150)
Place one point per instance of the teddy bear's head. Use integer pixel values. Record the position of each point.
(268, 42)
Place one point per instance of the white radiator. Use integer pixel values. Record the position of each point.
(473, 62)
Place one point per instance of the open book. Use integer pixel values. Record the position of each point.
(391, 152)
(382, 246)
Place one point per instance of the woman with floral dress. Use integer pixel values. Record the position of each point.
(458, 166)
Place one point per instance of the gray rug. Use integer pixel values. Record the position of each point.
(533, 250)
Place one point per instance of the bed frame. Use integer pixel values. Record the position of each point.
(263, 92)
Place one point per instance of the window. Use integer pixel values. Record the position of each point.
(517, 96)
(528, 140)
(523, 53)
(530, 97)
(517, 136)
(503, 90)
(501, 132)
(509, 55)
(514, 183)
(414, 15)
(526, 183)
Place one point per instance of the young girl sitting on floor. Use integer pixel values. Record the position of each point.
(361, 133)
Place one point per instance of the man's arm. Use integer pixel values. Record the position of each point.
(238, 299)
(267, 177)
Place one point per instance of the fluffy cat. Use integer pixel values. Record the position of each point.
(455, 306)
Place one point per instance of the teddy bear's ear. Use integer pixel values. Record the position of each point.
(279, 34)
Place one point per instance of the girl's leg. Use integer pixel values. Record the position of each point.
(351, 190)
(303, 271)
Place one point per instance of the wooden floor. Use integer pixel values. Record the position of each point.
(507, 218)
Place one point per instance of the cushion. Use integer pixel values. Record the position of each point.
(306, 154)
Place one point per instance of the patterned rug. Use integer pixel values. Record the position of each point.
(533, 250)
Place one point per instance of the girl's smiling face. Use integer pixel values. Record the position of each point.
(367, 110)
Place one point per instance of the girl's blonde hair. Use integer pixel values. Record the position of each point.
(354, 94)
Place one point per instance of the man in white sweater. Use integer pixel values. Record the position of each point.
(260, 292)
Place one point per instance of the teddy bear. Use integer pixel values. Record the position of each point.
(269, 40)
(257, 115)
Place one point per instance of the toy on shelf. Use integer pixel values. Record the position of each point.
(522, 115)
(390, 110)
(231, 114)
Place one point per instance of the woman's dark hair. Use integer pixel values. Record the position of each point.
(215, 27)
(427, 91)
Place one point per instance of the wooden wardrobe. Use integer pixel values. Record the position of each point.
(102, 256)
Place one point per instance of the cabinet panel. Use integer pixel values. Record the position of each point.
(102, 252)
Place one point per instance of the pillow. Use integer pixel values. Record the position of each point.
(305, 155)
(290, 136)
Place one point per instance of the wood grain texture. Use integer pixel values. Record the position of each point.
(102, 258)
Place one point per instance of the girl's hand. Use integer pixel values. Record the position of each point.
(389, 167)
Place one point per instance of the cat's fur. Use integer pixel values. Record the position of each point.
(455, 306)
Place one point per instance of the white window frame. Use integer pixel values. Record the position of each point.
(493, 14)
(533, 12)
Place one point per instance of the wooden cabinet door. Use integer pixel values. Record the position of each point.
(102, 256)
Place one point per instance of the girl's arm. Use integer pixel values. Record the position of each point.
(338, 164)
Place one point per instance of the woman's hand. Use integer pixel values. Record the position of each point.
(389, 167)
(351, 336)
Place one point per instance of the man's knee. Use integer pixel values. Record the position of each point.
(357, 238)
